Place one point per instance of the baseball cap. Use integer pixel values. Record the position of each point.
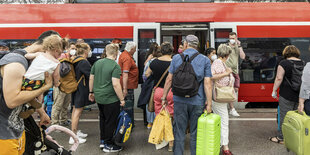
(192, 39)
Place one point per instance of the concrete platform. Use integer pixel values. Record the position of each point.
(248, 136)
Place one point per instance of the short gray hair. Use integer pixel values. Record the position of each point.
(223, 50)
(130, 45)
(192, 40)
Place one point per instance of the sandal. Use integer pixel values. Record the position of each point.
(276, 139)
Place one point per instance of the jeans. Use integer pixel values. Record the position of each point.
(184, 112)
(150, 116)
(129, 103)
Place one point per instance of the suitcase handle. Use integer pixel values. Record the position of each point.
(205, 112)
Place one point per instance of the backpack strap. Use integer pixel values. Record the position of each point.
(182, 56)
(82, 77)
(193, 57)
(77, 60)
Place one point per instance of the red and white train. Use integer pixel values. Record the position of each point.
(263, 28)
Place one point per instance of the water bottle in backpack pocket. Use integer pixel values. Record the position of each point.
(123, 129)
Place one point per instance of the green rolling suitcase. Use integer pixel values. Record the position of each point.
(295, 129)
(208, 134)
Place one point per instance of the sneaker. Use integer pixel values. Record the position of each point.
(112, 148)
(80, 134)
(101, 146)
(233, 112)
(149, 126)
(81, 140)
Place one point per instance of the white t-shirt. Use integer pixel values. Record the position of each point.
(39, 66)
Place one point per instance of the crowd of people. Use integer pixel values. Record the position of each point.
(110, 82)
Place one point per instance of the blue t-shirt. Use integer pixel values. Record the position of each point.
(202, 67)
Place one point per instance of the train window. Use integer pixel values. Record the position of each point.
(263, 56)
(145, 38)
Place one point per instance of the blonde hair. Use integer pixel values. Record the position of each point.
(82, 48)
(223, 50)
(54, 42)
(291, 51)
(111, 49)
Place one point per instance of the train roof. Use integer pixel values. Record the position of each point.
(155, 12)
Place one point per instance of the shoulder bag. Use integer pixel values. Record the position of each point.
(224, 94)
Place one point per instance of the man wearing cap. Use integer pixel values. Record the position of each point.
(189, 109)
(129, 77)
(3, 46)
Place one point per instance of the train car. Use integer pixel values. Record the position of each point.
(264, 29)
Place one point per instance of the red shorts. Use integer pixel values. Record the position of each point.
(237, 80)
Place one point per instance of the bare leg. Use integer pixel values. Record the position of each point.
(76, 113)
(225, 147)
(231, 104)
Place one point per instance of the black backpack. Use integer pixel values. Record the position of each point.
(295, 81)
(184, 81)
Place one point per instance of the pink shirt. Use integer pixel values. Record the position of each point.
(218, 67)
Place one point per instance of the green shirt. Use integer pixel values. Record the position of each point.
(104, 70)
(233, 59)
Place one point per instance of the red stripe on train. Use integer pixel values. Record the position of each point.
(292, 31)
(73, 32)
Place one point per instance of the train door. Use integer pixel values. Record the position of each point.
(176, 32)
(144, 35)
(219, 33)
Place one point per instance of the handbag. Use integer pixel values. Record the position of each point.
(151, 101)
(224, 94)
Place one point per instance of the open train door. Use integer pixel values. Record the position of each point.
(144, 35)
(219, 33)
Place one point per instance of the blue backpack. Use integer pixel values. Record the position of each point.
(123, 129)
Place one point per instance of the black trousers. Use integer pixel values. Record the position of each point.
(108, 120)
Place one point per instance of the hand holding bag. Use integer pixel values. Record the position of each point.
(151, 102)
(224, 94)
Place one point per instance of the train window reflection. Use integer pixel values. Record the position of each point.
(263, 56)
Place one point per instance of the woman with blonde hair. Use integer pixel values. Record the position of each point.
(222, 77)
(80, 97)
(288, 96)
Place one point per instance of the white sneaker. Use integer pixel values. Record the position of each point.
(234, 113)
(80, 134)
(81, 140)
